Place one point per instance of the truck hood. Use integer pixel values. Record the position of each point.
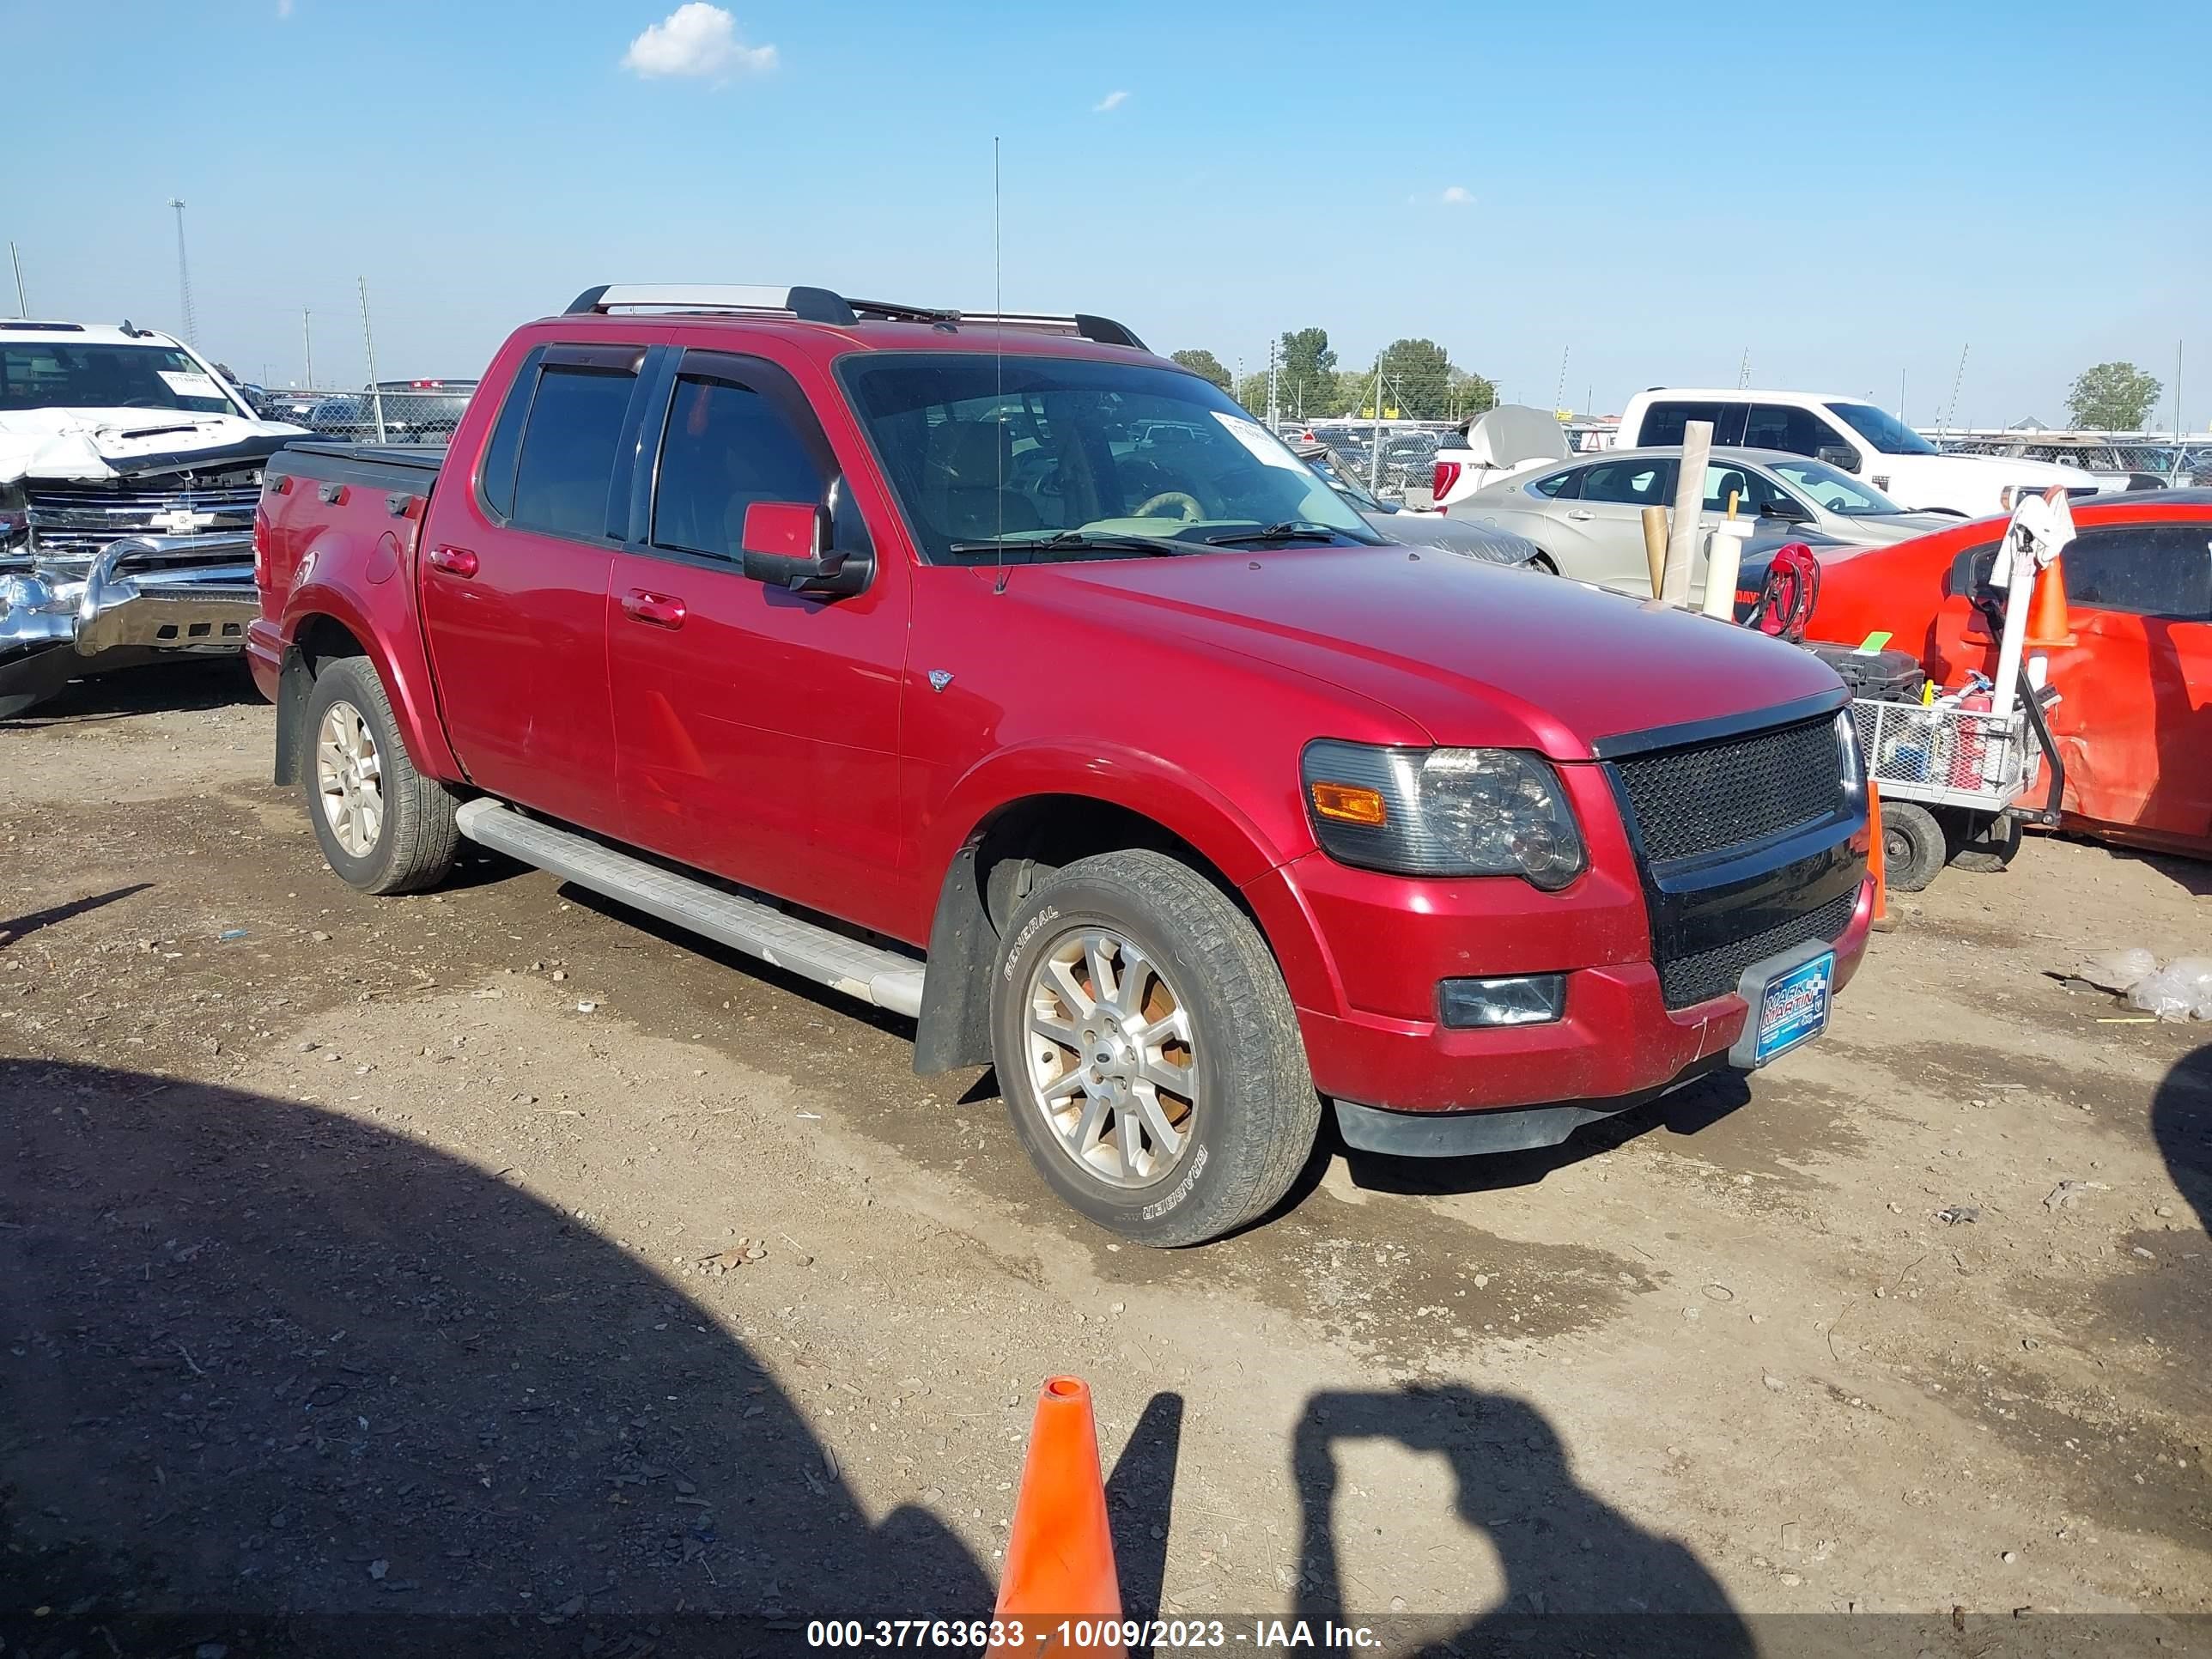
(99, 444)
(1470, 653)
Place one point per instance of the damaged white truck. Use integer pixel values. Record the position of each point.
(129, 473)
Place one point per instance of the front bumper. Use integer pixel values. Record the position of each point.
(1617, 1045)
(139, 597)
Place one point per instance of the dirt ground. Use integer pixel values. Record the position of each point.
(489, 1256)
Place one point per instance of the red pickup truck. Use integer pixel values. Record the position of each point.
(994, 670)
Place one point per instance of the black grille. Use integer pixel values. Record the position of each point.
(1711, 973)
(1709, 796)
(78, 519)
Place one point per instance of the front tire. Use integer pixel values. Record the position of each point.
(383, 826)
(1148, 1051)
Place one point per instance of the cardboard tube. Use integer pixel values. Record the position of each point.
(1689, 501)
(1655, 544)
(1723, 561)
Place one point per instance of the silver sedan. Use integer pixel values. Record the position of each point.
(1587, 515)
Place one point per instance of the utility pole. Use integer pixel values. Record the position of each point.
(23, 306)
(1957, 379)
(307, 345)
(1274, 404)
(1559, 394)
(185, 278)
(1743, 370)
(1375, 448)
(368, 345)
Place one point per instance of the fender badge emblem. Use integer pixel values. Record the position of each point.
(939, 679)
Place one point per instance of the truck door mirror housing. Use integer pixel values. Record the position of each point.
(1838, 455)
(786, 545)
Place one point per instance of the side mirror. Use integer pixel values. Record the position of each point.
(784, 545)
(1786, 510)
(1838, 456)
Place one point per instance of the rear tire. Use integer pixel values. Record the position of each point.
(1912, 846)
(383, 826)
(1148, 1051)
(1982, 848)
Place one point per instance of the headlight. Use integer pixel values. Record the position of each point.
(1442, 812)
(14, 514)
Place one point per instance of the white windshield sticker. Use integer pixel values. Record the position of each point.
(1257, 439)
(190, 384)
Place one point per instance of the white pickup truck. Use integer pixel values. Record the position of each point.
(1854, 434)
(129, 470)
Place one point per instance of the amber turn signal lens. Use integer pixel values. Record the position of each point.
(1349, 804)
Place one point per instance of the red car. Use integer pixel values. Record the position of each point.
(1005, 675)
(2133, 721)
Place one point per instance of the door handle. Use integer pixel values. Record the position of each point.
(656, 609)
(1579, 516)
(454, 561)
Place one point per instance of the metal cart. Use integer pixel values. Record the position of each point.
(1952, 779)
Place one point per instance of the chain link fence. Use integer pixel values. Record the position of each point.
(389, 412)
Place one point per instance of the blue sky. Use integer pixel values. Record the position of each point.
(1850, 193)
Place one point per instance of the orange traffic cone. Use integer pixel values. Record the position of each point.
(1876, 862)
(1059, 1554)
(2048, 621)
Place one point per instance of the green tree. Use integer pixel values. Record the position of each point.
(1204, 364)
(2112, 397)
(1416, 379)
(1252, 392)
(1469, 393)
(1305, 374)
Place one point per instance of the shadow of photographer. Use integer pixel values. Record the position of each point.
(1579, 1576)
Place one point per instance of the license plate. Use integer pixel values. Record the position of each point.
(1791, 1009)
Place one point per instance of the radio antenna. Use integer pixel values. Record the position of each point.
(998, 310)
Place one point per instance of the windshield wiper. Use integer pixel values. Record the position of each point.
(1276, 533)
(1106, 541)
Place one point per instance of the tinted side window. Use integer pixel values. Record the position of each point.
(2152, 571)
(1557, 486)
(498, 475)
(567, 462)
(1799, 431)
(1639, 483)
(1665, 423)
(726, 447)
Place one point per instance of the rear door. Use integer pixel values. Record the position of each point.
(513, 584)
(2137, 687)
(756, 729)
(1602, 527)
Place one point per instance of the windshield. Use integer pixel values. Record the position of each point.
(1882, 429)
(62, 374)
(1837, 491)
(992, 456)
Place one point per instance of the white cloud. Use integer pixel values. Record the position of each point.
(1111, 101)
(1457, 195)
(696, 40)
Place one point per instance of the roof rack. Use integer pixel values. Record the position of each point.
(821, 305)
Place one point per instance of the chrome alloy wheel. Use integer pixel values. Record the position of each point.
(350, 777)
(1112, 1059)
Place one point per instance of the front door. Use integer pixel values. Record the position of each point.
(513, 588)
(756, 729)
(1603, 539)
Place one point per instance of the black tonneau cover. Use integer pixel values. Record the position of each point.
(409, 467)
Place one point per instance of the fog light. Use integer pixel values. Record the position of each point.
(1529, 1000)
